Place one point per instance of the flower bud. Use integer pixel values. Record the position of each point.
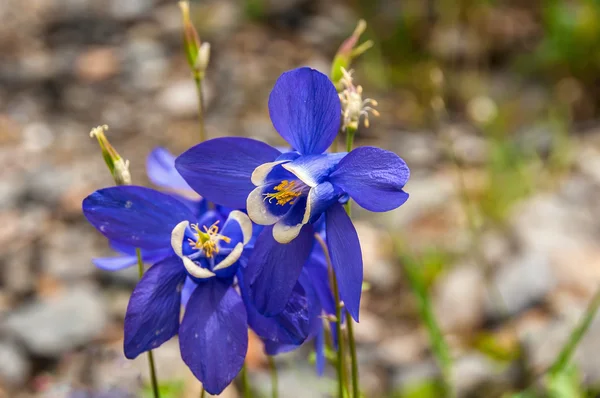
(118, 167)
(203, 58)
(197, 53)
(347, 52)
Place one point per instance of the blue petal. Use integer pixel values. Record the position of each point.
(305, 110)
(149, 256)
(135, 216)
(320, 198)
(213, 337)
(316, 267)
(314, 169)
(188, 289)
(374, 178)
(290, 327)
(114, 263)
(274, 268)
(273, 348)
(153, 312)
(220, 170)
(346, 257)
(160, 167)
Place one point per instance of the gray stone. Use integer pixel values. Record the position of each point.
(180, 98)
(378, 262)
(14, 364)
(523, 281)
(495, 247)
(472, 371)
(400, 349)
(416, 373)
(61, 323)
(17, 272)
(458, 299)
(64, 263)
(37, 137)
(545, 341)
(12, 189)
(469, 148)
(418, 148)
(145, 64)
(434, 192)
(297, 382)
(130, 9)
(546, 223)
(47, 184)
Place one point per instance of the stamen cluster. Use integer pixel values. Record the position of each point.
(353, 106)
(286, 192)
(208, 239)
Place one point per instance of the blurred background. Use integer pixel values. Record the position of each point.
(493, 104)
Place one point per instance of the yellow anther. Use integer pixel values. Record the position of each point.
(285, 192)
(208, 239)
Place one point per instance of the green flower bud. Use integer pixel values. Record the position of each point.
(118, 167)
(347, 52)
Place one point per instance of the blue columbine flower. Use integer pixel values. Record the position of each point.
(207, 250)
(205, 258)
(289, 191)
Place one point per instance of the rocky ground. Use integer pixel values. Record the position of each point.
(69, 65)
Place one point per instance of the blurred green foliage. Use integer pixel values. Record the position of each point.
(167, 389)
(571, 41)
(421, 389)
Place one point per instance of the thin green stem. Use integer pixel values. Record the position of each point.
(567, 351)
(350, 138)
(153, 378)
(341, 369)
(352, 344)
(202, 392)
(198, 81)
(274, 379)
(246, 382)
(438, 343)
(350, 132)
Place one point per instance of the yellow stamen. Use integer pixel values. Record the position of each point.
(208, 239)
(285, 192)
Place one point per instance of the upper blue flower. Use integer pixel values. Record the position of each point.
(289, 191)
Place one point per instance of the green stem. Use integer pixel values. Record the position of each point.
(352, 344)
(438, 343)
(153, 378)
(350, 138)
(198, 81)
(246, 382)
(274, 380)
(202, 392)
(350, 132)
(341, 369)
(567, 351)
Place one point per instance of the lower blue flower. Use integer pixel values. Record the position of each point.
(213, 332)
(203, 260)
